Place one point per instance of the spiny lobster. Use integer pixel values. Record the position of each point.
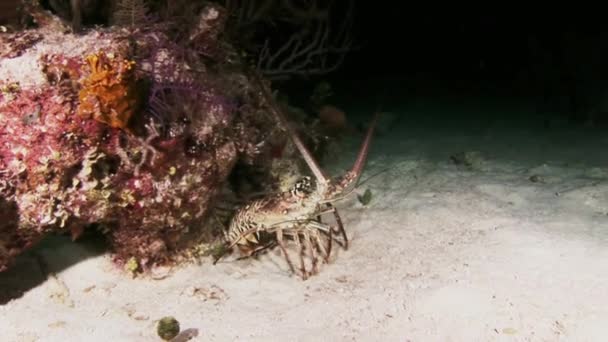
(296, 213)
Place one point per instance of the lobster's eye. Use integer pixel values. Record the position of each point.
(303, 183)
(302, 187)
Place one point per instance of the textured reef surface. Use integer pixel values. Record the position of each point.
(125, 131)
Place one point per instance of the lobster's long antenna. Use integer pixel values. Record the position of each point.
(308, 157)
(350, 180)
(364, 151)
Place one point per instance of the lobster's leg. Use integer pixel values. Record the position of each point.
(319, 244)
(315, 228)
(255, 252)
(284, 250)
(312, 250)
(329, 241)
(339, 228)
(296, 237)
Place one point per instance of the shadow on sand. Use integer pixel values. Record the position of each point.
(52, 255)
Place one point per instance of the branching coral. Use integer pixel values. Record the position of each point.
(129, 13)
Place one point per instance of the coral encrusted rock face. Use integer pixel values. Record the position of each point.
(82, 145)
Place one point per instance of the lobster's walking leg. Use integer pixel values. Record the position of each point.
(319, 244)
(255, 252)
(302, 253)
(340, 225)
(312, 250)
(316, 228)
(329, 240)
(329, 208)
(284, 250)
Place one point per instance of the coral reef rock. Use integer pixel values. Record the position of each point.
(84, 144)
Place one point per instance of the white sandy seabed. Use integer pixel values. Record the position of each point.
(443, 252)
